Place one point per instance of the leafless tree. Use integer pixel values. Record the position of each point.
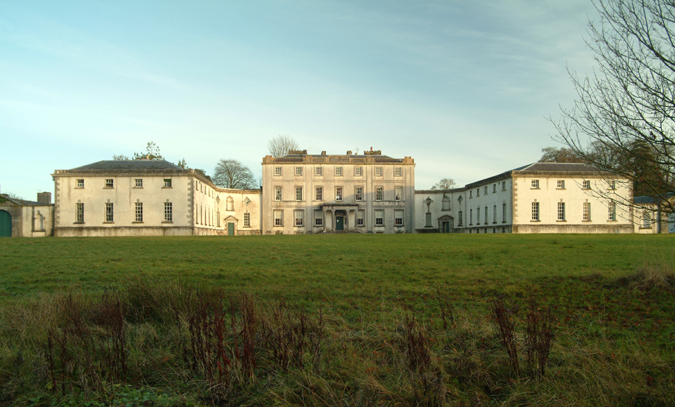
(623, 120)
(445, 183)
(151, 153)
(559, 155)
(281, 145)
(233, 174)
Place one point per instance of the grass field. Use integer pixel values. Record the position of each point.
(338, 320)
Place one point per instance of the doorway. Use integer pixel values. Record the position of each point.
(446, 227)
(230, 228)
(340, 223)
(5, 224)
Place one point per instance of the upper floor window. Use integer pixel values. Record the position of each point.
(446, 203)
(612, 184)
(277, 171)
(338, 171)
(471, 194)
(277, 193)
(109, 183)
(298, 170)
(535, 184)
(486, 190)
(80, 183)
(586, 184)
(378, 171)
(398, 193)
(138, 183)
(379, 193)
(167, 183)
(503, 185)
(298, 193)
(358, 193)
(318, 196)
(494, 188)
(338, 193)
(477, 192)
(229, 204)
(560, 184)
(318, 171)
(398, 172)
(358, 171)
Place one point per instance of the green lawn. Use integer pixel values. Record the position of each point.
(612, 297)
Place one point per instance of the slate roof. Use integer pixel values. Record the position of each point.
(557, 167)
(20, 201)
(130, 165)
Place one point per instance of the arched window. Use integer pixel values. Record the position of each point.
(446, 203)
(230, 204)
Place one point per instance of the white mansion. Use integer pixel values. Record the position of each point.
(306, 194)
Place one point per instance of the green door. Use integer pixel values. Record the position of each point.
(230, 228)
(5, 224)
(446, 227)
(340, 223)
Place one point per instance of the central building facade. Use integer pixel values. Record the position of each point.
(368, 193)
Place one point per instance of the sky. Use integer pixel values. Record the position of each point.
(464, 88)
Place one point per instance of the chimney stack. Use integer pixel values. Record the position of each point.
(44, 198)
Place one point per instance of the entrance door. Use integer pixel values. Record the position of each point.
(5, 224)
(230, 228)
(340, 223)
(446, 227)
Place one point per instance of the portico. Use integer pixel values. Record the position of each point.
(340, 217)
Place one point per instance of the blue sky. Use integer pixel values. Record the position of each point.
(463, 87)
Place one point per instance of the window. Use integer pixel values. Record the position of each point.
(318, 218)
(318, 171)
(277, 171)
(108, 183)
(168, 212)
(398, 172)
(494, 188)
(398, 193)
(247, 220)
(504, 213)
(338, 171)
(587, 185)
(477, 192)
(379, 217)
(535, 184)
(378, 171)
(109, 212)
(561, 211)
(470, 217)
(459, 216)
(80, 183)
(298, 171)
(138, 211)
(358, 171)
(229, 205)
(298, 193)
(611, 209)
(80, 213)
(486, 215)
(494, 214)
(360, 218)
(398, 217)
(167, 182)
(486, 190)
(503, 185)
(277, 193)
(379, 193)
(338, 193)
(587, 212)
(477, 216)
(612, 184)
(561, 184)
(358, 193)
(138, 183)
(646, 219)
(299, 217)
(427, 220)
(446, 203)
(278, 218)
(535, 211)
(471, 194)
(318, 196)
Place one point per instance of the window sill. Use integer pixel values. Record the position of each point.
(534, 188)
(168, 221)
(78, 188)
(503, 221)
(136, 222)
(494, 223)
(78, 223)
(535, 221)
(587, 221)
(612, 220)
(560, 189)
(561, 221)
(360, 226)
(137, 188)
(163, 188)
(108, 187)
(108, 223)
(645, 228)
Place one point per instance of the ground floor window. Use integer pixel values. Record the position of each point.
(299, 217)
(247, 220)
(535, 211)
(587, 212)
(379, 217)
(278, 218)
(427, 221)
(138, 211)
(318, 218)
(80, 213)
(109, 212)
(360, 218)
(561, 211)
(398, 217)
